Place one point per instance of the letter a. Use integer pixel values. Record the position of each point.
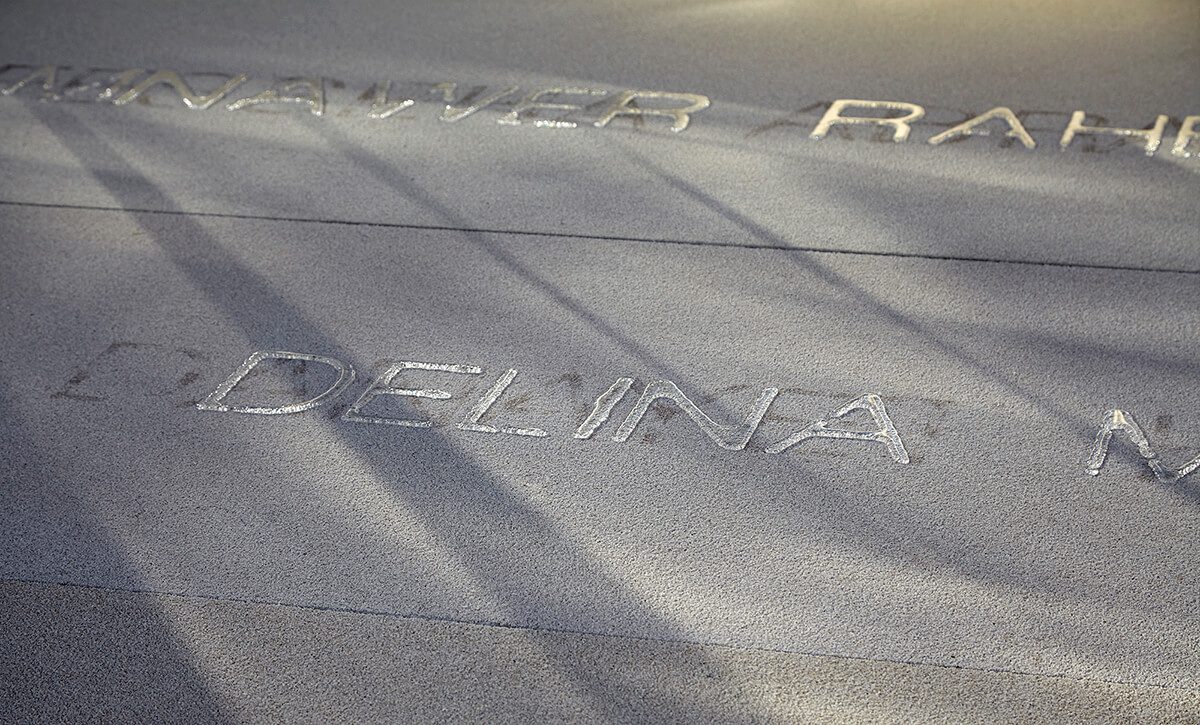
(884, 433)
(967, 128)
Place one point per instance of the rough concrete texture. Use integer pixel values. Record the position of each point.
(745, 172)
(124, 655)
(999, 301)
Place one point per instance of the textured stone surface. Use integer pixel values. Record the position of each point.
(120, 655)
(999, 300)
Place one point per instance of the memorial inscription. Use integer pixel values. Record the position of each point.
(563, 107)
(733, 437)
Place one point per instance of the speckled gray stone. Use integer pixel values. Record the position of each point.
(999, 300)
(79, 653)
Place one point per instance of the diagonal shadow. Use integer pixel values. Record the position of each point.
(1085, 430)
(876, 305)
(386, 174)
(943, 549)
(158, 680)
(533, 572)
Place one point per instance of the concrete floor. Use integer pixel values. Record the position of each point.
(163, 561)
(120, 655)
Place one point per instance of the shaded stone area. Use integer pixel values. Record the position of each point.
(76, 652)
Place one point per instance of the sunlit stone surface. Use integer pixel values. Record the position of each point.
(570, 325)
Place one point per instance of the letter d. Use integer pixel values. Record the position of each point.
(213, 401)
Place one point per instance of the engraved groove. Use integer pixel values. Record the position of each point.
(885, 431)
(1119, 420)
(603, 407)
(213, 401)
(383, 386)
(600, 237)
(730, 437)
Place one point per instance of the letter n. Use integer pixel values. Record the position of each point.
(729, 437)
(190, 98)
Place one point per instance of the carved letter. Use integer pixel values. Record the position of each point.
(47, 73)
(456, 110)
(899, 124)
(97, 84)
(308, 92)
(1115, 420)
(471, 422)
(680, 116)
(1187, 133)
(967, 128)
(884, 432)
(381, 107)
(729, 437)
(1153, 136)
(530, 104)
(603, 407)
(190, 98)
(213, 401)
(383, 386)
